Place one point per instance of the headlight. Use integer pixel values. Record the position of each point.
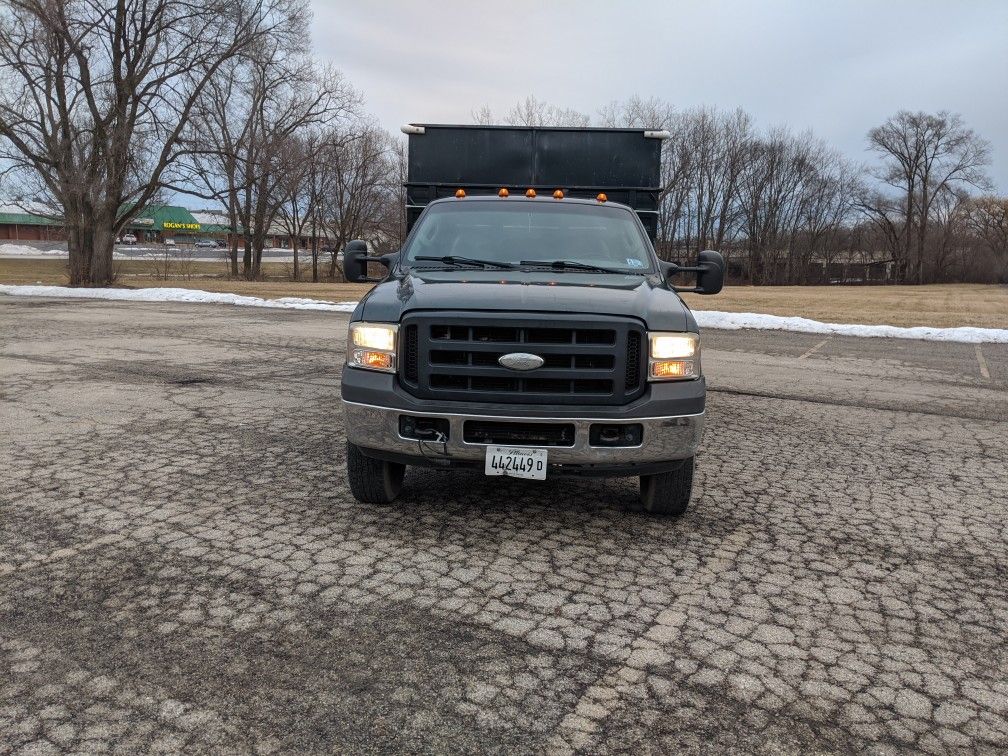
(372, 346)
(673, 356)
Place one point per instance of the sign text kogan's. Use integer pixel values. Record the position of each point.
(173, 226)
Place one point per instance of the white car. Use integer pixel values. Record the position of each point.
(169, 242)
(129, 239)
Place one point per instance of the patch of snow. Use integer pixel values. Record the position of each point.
(733, 321)
(20, 250)
(177, 295)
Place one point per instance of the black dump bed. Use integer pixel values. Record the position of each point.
(625, 164)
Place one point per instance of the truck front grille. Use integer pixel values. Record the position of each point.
(410, 369)
(586, 359)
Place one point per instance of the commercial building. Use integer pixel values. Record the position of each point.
(34, 222)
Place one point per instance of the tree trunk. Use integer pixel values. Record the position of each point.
(90, 256)
(314, 258)
(332, 266)
(247, 259)
(79, 256)
(257, 251)
(233, 243)
(294, 246)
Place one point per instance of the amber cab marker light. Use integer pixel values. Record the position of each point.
(503, 192)
(601, 197)
(530, 193)
(459, 193)
(558, 194)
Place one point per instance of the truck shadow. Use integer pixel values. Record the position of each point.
(435, 488)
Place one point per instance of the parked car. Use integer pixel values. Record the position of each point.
(527, 328)
(129, 239)
(169, 242)
(206, 244)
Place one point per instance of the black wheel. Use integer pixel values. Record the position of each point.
(667, 493)
(373, 481)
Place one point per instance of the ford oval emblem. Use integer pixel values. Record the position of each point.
(521, 361)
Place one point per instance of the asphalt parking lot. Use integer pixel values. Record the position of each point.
(182, 566)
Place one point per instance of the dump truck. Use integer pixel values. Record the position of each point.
(527, 327)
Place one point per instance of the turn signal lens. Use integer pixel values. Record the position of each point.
(558, 194)
(601, 197)
(459, 193)
(374, 360)
(672, 369)
(503, 192)
(530, 193)
(673, 356)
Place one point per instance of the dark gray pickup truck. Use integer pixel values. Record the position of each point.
(527, 327)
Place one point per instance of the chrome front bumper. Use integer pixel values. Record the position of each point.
(664, 438)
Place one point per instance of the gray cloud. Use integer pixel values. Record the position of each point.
(836, 68)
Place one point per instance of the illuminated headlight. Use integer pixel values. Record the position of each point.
(673, 356)
(372, 346)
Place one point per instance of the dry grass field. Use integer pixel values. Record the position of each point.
(945, 305)
(939, 305)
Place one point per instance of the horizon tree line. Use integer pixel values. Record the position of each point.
(784, 207)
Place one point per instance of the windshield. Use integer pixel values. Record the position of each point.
(531, 231)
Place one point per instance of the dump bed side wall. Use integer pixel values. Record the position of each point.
(623, 163)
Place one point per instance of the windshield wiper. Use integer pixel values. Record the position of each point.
(575, 265)
(456, 260)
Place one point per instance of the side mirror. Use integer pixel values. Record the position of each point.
(710, 278)
(355, 262)
(709, 272)
(356, 258)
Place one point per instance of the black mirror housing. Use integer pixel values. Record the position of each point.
(710, 278)
(355, 262)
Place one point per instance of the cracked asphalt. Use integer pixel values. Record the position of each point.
(182, 567)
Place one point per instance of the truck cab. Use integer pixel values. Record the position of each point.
(527, 328)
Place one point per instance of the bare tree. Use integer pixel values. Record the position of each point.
(924, 155)
(392, 217)
(358, 188)
(987, 219)
(244, 149)
(294, 212)
(483, 115)
(534, 112)
(95, 95)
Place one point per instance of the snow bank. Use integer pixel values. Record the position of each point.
(733, 321)
(177, 295)
(19, 250)
(705, 318)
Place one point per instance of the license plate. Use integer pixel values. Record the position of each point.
(516, 462)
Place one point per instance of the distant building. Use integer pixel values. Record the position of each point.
(34, 222)
(29, 223)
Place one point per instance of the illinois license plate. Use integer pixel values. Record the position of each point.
(516, 462)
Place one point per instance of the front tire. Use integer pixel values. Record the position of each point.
(668, 493)
(373, 481)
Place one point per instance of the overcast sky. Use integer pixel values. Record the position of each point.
(838, 68)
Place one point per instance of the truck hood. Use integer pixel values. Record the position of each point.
(644, 297)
